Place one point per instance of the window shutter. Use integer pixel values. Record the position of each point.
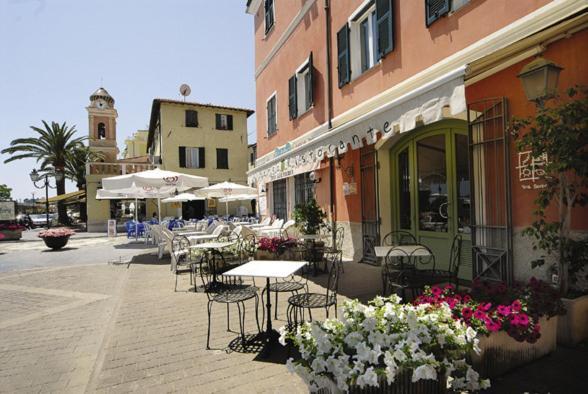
(218, 121)
(201, 159)
(196, 118)
(269, 14)
(229, 122)
(268, 114)
(435, 9)
(292, 104)
(343, 56)
(310, 88)
(182, 157)
(384, 27)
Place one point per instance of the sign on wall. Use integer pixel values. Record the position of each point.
(111, 228)
(262, 205)
(7, 210)
(532, 170)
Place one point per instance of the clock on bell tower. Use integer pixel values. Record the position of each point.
(102, 125)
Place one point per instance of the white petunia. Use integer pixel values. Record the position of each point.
(424, 372)
(353, 338)
(369, 378)
(399, 355)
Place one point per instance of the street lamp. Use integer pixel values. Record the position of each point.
(540, 78)
(36, 177)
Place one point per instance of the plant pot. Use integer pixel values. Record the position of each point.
(572, 327)
(499, 353)
(316, 249)
(264, 255)
(11, 235)
(56, 243)
(401, 385)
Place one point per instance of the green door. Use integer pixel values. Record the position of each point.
(431, 190)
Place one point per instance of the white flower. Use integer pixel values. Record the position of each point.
(391, 367)
(485, 384)
(318, 365)
(353, 338)
(369, 324)
(424, 372)
(470, 334)
(283, 333)
(377, 338)
(369, 378)
(399, 355)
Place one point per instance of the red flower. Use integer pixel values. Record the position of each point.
(523, 319)
(479, 315)
(503, 310)
(436, 291)
(516, 306)
(467, 312)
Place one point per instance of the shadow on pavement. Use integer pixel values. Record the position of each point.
(58, 250)
(134, 245)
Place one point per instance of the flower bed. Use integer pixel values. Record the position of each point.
(11, 231)
(388, 345)
(56, 238)
(519, 323)
(267, 248)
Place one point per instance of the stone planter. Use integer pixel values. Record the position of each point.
(56, 243)
(11, 235)
(402, 385)
(264, 255)
(572, 327)
(500, 353)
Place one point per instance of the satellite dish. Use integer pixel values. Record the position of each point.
(185, 90)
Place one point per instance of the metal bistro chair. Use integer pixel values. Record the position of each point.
(397, 260)
(400, 237)
(181, 259)
(423, 261)
(451, 274)
(294, 283)
(228, 293)
(334, 244)
(299, 302)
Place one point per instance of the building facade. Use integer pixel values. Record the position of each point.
(395, 115)
(136, 145)
(199, 139)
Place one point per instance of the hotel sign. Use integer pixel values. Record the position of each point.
(532, 170)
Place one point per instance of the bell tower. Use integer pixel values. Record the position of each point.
(102, 125)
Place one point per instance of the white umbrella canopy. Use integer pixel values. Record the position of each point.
(156, 178)
(238, 197)
(131, 193)
(183, 197)
(225, 189)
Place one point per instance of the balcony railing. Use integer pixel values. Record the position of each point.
(116, 168)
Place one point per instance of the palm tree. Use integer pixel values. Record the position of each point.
(51, 148)
(75, 166)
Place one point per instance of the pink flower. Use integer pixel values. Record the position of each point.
(449, 286)
(516, 306)
(485, 307)
(514, 320)
(467, 298)
(466, 312)
(537, 328)
(479, 315)
(523, 319)
(503, 310)
(493, 326)
(436, 291)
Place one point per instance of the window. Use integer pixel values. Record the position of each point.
(365, 39)
(191, 118)
(435, 9)
(279, 197)
(222, 158)
(300, 89)
(269, 15)
(272, 125)
(224, 122)
(101, 131)
(191, 157)
(303, 188)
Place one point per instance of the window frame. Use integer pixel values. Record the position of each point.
(186, 118)
(218, 162)
(271, 133)
(218, 121)
(187, 159)
(303, 72)
(365, 12)
(268, 29)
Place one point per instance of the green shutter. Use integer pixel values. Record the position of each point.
(182, 157)
(269, 14)
(218, 121)
(292, 103)
(343, 56)
(435, 9)
(384, 27)
(201, 159)
(310, 88)
(229, 122)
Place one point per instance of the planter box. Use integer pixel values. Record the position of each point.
(402, 385)
(264, 255)
(572, 327)
(501, 353)
(11, 235)
(56, 243)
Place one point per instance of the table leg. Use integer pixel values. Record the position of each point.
(269, 308)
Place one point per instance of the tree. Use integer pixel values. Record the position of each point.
(559, 131)
(75, 166)
(51, 148)
(5, 192)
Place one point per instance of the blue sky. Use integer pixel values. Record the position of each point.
(54, 54)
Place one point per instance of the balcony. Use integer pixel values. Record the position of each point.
(113, 169)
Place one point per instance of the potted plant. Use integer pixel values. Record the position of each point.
(267, 248)
(309, 218)
(56, 238)
(11, 231)
(558, 133)
(516, 324)
(385, 347)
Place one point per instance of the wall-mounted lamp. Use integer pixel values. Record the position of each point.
(313, 177)
(540, 78)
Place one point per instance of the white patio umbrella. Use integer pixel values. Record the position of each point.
(238, 197)
(225, 189)
(183, 197)
(157, 181)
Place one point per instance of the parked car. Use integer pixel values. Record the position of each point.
(40, 220)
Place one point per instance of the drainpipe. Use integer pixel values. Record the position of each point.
(327, 6)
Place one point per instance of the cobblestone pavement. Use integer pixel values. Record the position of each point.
(105, 328)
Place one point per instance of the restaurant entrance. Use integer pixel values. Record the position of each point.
(431, 189)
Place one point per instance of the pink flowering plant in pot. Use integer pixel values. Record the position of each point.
(56, 238)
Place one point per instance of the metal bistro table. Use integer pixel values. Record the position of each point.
(267, 269)
(313, 238)
(214, 249)
(402, 251)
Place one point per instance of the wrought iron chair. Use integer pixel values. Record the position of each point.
(181, 259)
(299, 302)
(399, 237)
(451, 274)
(422, 261)
(397, 260)
(334, 244)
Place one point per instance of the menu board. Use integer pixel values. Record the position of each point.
(7, 210)
(112, 228)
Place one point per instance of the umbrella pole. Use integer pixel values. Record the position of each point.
(159, 209)
(227, 208)
(136, 221)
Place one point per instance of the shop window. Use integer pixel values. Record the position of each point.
(224, 122)
(432, 184)
(300, 89)
(404, 188)
(303, 188)
(279, 197)
(191, 157)
(222, 158)
(101, 131)
(269, 15)
(271, 111)
(191, 118)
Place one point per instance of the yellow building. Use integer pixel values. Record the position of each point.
(199, 139)
(136, 145)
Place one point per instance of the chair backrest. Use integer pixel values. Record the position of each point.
(180, 251)
(278, 223)
(288, 224)
(212, 226)
(147, 228)
(334, 261)
(266, 221)
(156, 232)
(455, 255)
(339, 235)
(396, 259)
(218, 230)
(394, 238)
(422, 258)
(248, 246)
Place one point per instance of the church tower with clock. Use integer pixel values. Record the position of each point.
(102, 125)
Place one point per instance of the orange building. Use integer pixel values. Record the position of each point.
(394, 115)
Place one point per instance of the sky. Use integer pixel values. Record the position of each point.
(55, 53)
